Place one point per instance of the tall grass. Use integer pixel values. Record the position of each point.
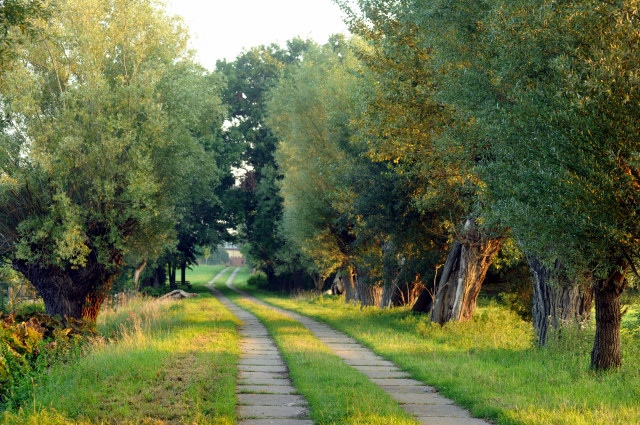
(157, 362)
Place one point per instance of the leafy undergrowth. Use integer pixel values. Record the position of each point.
(337, 394)
(491, 364)
(30, 342)
(160, 362)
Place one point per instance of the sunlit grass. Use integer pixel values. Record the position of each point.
(200, 275)
(337, 394)
(491, 364)
(168, 362)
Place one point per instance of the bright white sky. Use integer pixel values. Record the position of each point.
(220, 29)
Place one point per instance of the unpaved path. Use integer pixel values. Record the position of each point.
(265, 393)
(419, 400)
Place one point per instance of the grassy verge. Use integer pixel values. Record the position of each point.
(490, 365)
(337, 393)
(163, 362)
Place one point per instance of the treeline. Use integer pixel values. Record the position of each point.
(441, 132)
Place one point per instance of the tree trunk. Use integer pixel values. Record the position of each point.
(318, 281)
(156, 278)
(138, 271)
(463, 274)
(95, 299)
(297, 279)
(607, 350)
(183, 274)
(556, 302)
(366, 293)
(271, 278)
(171, 269)
(391, 269)
(70, 293)
(349, 285)
(424, 302)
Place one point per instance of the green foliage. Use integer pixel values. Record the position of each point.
(17, 22)
(108, 149)
(249, 78)
(30, 342)
(258, 280)
(309, 110)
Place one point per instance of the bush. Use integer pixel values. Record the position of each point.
(30, 342)
(150, 291)
(27, 309)
(259, 280)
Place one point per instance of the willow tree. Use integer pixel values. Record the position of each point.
(85, 165)
(565, 175)
(407, 121)
(309, 110)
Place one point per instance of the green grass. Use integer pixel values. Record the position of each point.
(201, 275)
(165, 362)
(337, 394)
(491, 365)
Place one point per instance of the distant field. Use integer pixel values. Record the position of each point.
(201, 275)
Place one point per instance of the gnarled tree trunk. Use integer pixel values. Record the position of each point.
(391, 269)
(138, 271)
(607, 350)
(555, 300)
(424, 302)
(367, 293)
(70, 293)
(463, 274)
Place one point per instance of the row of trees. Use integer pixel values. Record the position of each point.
(447, 131)
(400, 161)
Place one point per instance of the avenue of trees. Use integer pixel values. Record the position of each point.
(397, 164)
(445, 131)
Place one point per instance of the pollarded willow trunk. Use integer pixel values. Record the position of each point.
(391, 270)
(607, 349)
(463, 274)
(70, 293)
(366, 293)
(424, 302)
(556, 302)
(138, 271)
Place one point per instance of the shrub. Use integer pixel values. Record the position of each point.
(150, 291)
(30, 341)
(259, 280)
